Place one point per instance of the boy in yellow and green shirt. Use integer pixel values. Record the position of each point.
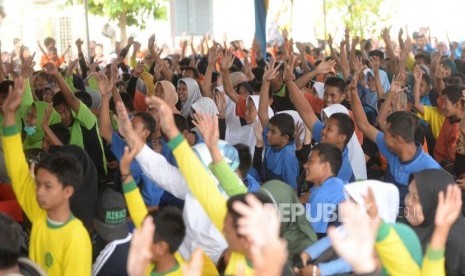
(59, 242)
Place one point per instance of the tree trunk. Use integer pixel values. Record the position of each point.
(122, 23)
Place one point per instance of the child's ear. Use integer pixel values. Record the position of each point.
(163, 248)
(69, 191)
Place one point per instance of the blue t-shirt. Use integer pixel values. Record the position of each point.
(251, 183)
(398, 172)
(323, 203)
(151, 192)
(345, 172)
(281, 164)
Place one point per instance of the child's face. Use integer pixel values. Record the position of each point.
(424, 88)
(413, 210)
(330, 133)
(449, 109)
(40, 83)
(159, 91)
(274, 136)
(31, 116)
(333, 95)
(48, 95)
(251, 112)
(50, 193)
(371, 83)
(313, 167)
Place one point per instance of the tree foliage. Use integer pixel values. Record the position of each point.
(135, 11)
(362, 17)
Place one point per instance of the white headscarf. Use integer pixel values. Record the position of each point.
(256, 101)
(386, 197)
(205, 105)
(356, 154)
(297, 119)
(193, 94)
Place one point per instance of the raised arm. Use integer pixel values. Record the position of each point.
(226, 63)
(352, 54)
(41, 49)
(271, 71)
(73, 102)
(46, 128)
(207, 82)
(393, 96)
(360, 117)
(343, 61)
(105, 89)
(417, 75)
(389, 50)
(404, 56)
(375, 63)
(322, 68)
(302, 106)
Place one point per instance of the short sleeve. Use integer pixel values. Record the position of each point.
(85, 117)
(382, 146)
(317, 129)
(117, 145)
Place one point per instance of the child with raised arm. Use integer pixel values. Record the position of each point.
(59, 242)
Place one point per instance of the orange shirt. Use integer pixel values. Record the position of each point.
(444, 150)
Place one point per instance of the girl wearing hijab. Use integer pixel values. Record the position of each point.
(166, 91)
(33, 124)
(356, 155)
(422, 202)
(188, 93)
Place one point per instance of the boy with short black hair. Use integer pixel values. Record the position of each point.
(59, 242)
(170, 228)
(321, 169)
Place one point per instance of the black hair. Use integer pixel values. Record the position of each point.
(331, 154)
(285, 123)
(336, 82)
(181, 122)
(194, 70)
(401, 125)
(170, 227)
(169, 61)
(345, 125)
(66, 168)
(62, 132)
(58, 99)
(453, 93)
(377, 53)
(127, 101)
(424, 56)
(84, 97)
(149, 123)
(426, 78)
(258, 73)
(241, 198)
(183, 63)
(245, 158)
(10, 242)
(5, 86)
(49, 40)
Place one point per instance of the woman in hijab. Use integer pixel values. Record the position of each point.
(166, 91)
(356, 155)
(421, 202)
(188, 93)
(33, 124)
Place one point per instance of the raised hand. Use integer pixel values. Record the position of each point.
(104, 85)
(397, 82)
(136, 46)
(357, 247)
(330, 41)
(220, 101)
(300, 46)
(385, 34)
(195, 265)
(79, 43)
(114, 74)
(271, 71)
(140, 253)
(417, 74)
(131, 39)
(26, 65)
(151, 44)
(13, 100)
(51, 69)
(71, 66)
(375, 63)
(358, 64)
(126, 160)
(449, 207)
(288, 74)
(227, 60)
(258, 131)
(441, 72)
(47, 115)
(166, 116)
(325, 66)
(208, 127)
(212, 55)
(248, 68)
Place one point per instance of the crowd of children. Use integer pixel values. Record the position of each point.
(230, 161)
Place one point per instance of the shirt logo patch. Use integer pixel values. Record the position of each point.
(48, 260)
